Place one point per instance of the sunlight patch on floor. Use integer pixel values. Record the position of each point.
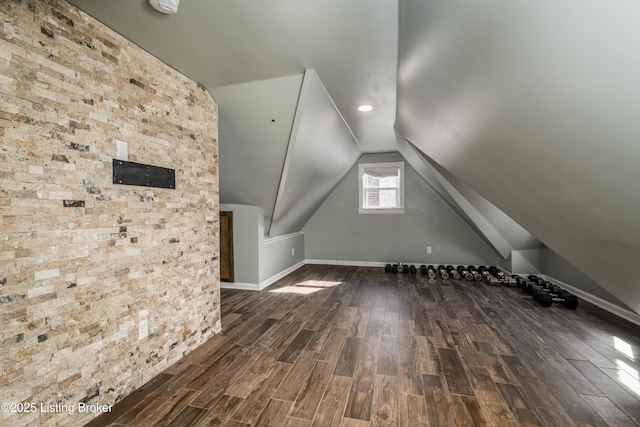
(623, 347)
(307, 287)
(319, 283)
(627, 378)
(302, 290)
(628, 369)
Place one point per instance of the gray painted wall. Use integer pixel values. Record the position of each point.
(257, 258)
(506, 263)
(276, 256)
(246, 242)
(528, 261)
(337, 232)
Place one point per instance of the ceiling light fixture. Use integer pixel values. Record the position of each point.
(366, 107)
(165, 6)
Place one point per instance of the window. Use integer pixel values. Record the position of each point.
(381, 187)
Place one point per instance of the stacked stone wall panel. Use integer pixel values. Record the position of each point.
(83, 261)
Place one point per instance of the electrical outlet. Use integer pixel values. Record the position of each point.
(428, 249)
(293, 251)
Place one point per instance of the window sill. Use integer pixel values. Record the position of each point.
(380, 211)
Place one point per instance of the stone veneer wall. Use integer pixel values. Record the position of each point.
(84, 263)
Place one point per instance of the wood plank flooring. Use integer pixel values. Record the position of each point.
(352, 346)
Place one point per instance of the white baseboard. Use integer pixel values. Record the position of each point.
(271, 280)
(240, 286)
(597, 301)
(603, 304)
(382, 264)
(347, 263)
(264, 284)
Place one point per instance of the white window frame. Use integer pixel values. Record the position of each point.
(399, 209)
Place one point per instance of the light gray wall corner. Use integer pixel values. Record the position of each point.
(280, 254)
(337, 232)
(528, 261)
(506, 264)
(246, 242)
(258, 261)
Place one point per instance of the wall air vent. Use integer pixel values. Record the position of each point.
(165, 6)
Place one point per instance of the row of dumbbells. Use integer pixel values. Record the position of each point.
(470, 273)
(494, 276)
(400, 268)
(545, 292)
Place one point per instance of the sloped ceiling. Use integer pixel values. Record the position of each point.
(255, 121)
(545, 92)
(320, 152)
(283, 147)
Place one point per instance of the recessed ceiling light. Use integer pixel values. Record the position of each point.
(365, 108)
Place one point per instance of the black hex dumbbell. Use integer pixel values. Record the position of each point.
(474, 272)
(431, 272)
(443, 272)
(497, 272)
(567, 299)
(545, 297)
(530, 286)
(465, 273)
(520, 281)
(542, 296)
(537, 280)
(453, 273)
(484, 271)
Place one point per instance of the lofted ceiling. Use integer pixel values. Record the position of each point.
(352, 45)
(524, 116)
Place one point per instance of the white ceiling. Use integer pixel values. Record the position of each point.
(352, 45)
(534, 105)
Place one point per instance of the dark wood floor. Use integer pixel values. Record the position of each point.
(347, 346)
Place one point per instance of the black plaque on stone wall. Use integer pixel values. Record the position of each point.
(131, 173)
